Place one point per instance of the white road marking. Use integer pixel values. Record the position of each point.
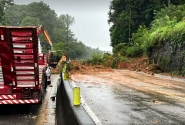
(87, 108)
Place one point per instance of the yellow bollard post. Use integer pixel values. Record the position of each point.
(76, 96)
(65, 76)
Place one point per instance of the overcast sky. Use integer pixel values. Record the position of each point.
(91, 17)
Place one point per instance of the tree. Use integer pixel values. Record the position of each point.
(1, 13)
(36, 13)
(67, 20)
(38, 10)
(3, 5)
(7, 3)
(39, 13)
(125, 17)
(16, 14)
(44, 13)
(169, 2)
(76, 50)
(30, 21)
(73, 49)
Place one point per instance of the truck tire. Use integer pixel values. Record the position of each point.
(49, 82)
(45, 86)
(45, 83)
(41, 97)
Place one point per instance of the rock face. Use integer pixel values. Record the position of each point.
(169, 56)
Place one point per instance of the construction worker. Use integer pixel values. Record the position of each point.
(65, 66)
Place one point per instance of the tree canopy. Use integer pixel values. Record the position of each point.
(126, 16)
(58, 27)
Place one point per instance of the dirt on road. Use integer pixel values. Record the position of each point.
(136, 76)
(132, 94)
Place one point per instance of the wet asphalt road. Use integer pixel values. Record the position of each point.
(116, 104)
(26, 114)
(18, 114)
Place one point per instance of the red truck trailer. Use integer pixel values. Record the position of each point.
(22, 68)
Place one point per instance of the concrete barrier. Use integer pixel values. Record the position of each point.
(66, 112)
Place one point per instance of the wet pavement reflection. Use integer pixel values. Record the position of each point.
(115, 103)
(26, 114)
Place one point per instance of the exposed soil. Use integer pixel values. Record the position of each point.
(130, 97)
(134, 93)
(137, 75)
(84, 68)
(140, 64)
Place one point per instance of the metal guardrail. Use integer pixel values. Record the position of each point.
(51, 106)
(66, 112)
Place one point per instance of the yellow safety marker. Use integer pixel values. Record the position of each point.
(66, 76)
(76, 96)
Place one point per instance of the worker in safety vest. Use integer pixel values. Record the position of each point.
(65, 66)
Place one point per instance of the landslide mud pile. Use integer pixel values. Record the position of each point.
(85, 68)
(81, 67)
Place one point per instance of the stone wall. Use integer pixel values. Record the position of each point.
(169, 57)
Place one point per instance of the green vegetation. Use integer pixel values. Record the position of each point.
(167, 26)
(183, 54)
(138, 27)
(183, 71)
(58, 26)
(165, 60)
(103, 59)
(127, 16)
(96, 59)
(107, 60)
(175, 73)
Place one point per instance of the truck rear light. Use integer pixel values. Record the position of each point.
(11, 66)
(13, 81)
(36, 83)
(2, 37)
(35, 64)
(35, 95)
